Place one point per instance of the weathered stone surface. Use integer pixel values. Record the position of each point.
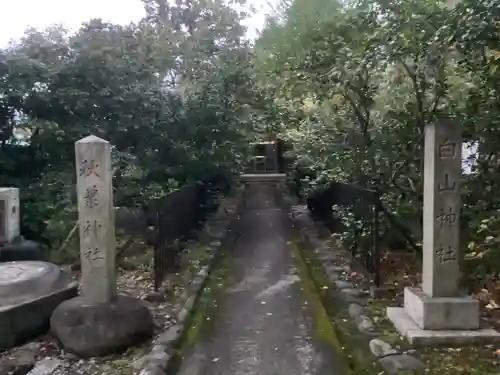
(23, 281)
(152, 369)
(365, 324)
(355, 310)
(354, 295)
(352, 292)
(419, 337)
(402, 363)
(380, 348)
(29, 293)
(96, 330)
(186, 309)
(341, 284)
(331, 269)
(46, 366)
(158, 356)
(96, 218)
(441, 221)
(341, 269)
(170, 336)
(9, 214)
(441, 313)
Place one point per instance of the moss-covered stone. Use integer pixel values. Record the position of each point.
(201, 320)
(345, 335)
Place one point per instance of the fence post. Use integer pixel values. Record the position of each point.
(157, 255)
(375, 239)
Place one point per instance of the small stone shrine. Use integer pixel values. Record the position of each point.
(99, 322)
(9, 214)
(12, 245)
(29, 293)
(439, 313)
(30, 290)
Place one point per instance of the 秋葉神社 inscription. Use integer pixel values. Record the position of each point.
(90, 198)
(96, 212)
(93, 255)
(92, 228)
(102, 322)
(88, 168)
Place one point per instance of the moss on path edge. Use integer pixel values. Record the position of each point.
(330, 313)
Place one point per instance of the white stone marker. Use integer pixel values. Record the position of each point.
(96, 220)
(9, 214)
(440, 313)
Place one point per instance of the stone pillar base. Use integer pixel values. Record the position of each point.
(427, 321)
(440, 313)
(98, 330)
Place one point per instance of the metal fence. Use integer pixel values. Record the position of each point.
(177, 216)
(364, 206)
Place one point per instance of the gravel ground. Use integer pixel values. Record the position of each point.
(135, 281)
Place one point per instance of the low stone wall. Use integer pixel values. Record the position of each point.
(221, 231)
(336, 264)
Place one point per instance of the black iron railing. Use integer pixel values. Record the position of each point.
(361, 208)
(174, 217)
(179, 216)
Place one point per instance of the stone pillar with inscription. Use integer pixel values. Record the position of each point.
(439, 313)
(99, 322)
(442, 203)
(96, 220)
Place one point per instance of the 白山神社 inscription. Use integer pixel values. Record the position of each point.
(447, 218)
(440, 313)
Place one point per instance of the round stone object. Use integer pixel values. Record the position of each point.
(98, 330)
(26, 280)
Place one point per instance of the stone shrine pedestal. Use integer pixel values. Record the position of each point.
(29, 293)
(13, 247)
(438, 313)
(440, 321)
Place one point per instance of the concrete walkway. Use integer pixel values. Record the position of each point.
(263, 325)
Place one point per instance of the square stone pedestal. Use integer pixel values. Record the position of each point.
(427, 321)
